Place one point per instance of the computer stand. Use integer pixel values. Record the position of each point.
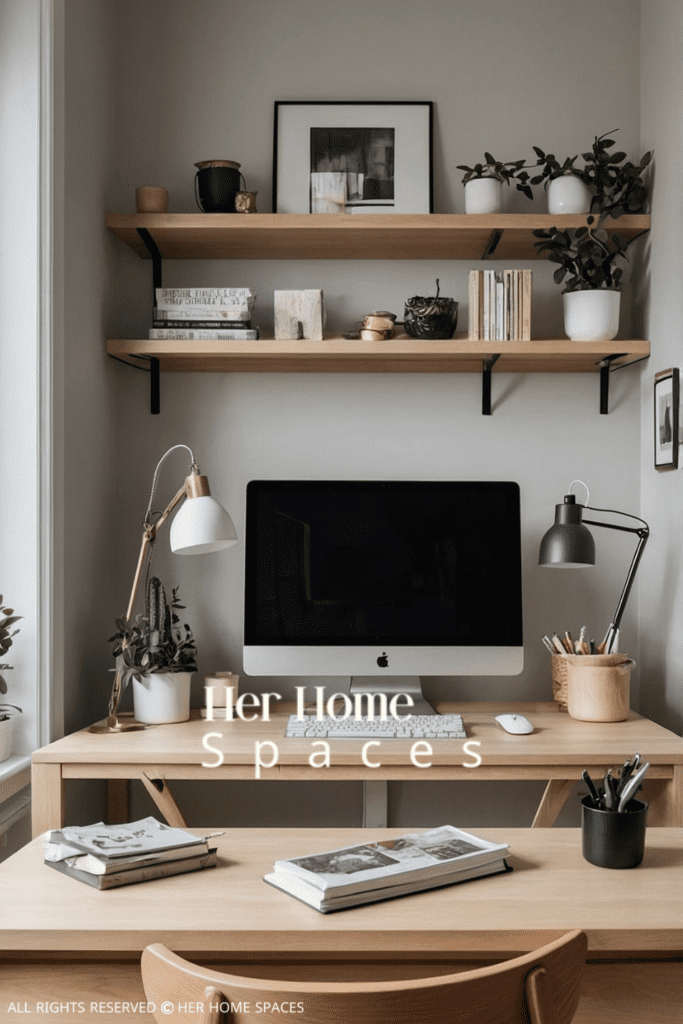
(391, 685)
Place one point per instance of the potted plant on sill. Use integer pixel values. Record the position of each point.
(6, 638)
(588, 266)
(483, 183)
(608, 184)
(158, 656)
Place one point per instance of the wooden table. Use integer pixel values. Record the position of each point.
(633, 920)
(556, 752)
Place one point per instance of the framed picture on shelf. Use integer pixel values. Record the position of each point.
(666, 419)
(364, 157)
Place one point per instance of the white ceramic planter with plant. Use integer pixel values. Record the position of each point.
(159, 657)
(587, 267)
(484, 183)
(7, 634)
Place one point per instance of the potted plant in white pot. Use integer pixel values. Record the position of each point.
(588, 267)
(483, 183)
(6, 638)
(607, 184)
(158, 656)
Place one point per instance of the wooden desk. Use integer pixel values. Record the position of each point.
(556, 752)
(633, 920)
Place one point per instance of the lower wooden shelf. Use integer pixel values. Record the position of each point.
(398, 355)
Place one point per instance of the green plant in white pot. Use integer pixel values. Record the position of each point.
(589, 269)
(158, 656)
(7, 635)
(483, 183)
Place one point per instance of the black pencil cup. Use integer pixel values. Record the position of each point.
(612, 839)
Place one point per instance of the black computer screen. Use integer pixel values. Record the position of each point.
(338, 562)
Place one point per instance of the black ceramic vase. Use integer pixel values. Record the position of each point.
(216, 184)
(430, 318)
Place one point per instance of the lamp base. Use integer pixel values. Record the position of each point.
(114, 724)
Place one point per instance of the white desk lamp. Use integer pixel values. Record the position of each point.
(200, 527)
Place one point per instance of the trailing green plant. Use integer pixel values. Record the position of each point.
(587, 257)
(154, 642)
(616, 183)
(6, 639)
(513, 170)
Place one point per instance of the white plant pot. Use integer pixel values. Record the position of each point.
(568, 194)
(162, 697)
(483, 195)
(6, 730)
(591, 315)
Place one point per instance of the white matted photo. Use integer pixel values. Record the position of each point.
(666, 418)
(337, 157)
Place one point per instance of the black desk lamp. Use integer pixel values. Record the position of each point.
(569, 544)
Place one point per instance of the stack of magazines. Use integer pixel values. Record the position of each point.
(393, 867)
(107, 856)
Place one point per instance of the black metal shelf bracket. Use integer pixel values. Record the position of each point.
(492, 244)
(154, 378)
(605, 369)
(486, 368)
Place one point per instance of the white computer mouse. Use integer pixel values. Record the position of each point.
(515, 724)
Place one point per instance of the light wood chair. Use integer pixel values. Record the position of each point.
(541, 987)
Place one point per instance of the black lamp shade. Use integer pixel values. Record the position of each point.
(568, 543)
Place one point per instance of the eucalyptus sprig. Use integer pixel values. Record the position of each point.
(513, 170)
(587, 257)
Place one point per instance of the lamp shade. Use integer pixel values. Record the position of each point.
(201, 526)
(568, 544)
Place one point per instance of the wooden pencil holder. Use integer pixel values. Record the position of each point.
(598, 687)
(558, 668)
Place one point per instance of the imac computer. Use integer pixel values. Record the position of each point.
(383, 582)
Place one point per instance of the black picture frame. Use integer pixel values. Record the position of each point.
(306, 132)
(666, 418)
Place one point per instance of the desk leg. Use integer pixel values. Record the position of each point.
(375, 800)
(47, 797)
(118, 801)
(552, 802)
(157, 788)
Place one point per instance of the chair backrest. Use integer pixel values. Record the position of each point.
(541, 987)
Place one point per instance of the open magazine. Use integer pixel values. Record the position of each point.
(368, 872)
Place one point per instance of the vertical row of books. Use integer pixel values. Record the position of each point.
(500, 305)
(202, 314)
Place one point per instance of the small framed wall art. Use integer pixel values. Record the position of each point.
(362, 157)
(666, 419)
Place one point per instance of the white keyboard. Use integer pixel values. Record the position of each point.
(418, 727)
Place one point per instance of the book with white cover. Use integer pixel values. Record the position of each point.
(133, 839)
(309, 894)
(416, 856)
(203, 296)
(95, 865)
(240, 311)
(203, 334)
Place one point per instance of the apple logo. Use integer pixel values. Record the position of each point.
(383, 661)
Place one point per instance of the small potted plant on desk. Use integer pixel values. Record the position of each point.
(483, 183)
(158, 656)
(6, 637)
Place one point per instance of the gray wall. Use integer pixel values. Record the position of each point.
(660, 593)
(197, 81)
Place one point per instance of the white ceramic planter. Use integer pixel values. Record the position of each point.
(591, 315)
(162, 697)
(568, 194)
(483, 195)
(6, 729)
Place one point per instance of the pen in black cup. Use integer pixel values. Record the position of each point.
(595, 796)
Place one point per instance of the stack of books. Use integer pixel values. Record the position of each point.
(107, 856)
(393, 867)
(203, 313)
(500, 305)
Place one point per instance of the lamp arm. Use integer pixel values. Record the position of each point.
(642, 532)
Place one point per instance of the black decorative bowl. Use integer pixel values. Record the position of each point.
(430, 318)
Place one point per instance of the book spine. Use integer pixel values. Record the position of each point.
(165, 870)
(202, 295)
(474, 288)
(488, 311)
(239, 312)
(108, 866)
(526, 305)
(500, 313)
(178, 334)
(215, 324)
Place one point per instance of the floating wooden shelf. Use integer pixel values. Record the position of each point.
(270, 236)
(398, 355)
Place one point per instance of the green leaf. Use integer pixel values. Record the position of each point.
(559, 275)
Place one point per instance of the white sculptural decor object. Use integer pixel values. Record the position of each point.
(299, 315)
